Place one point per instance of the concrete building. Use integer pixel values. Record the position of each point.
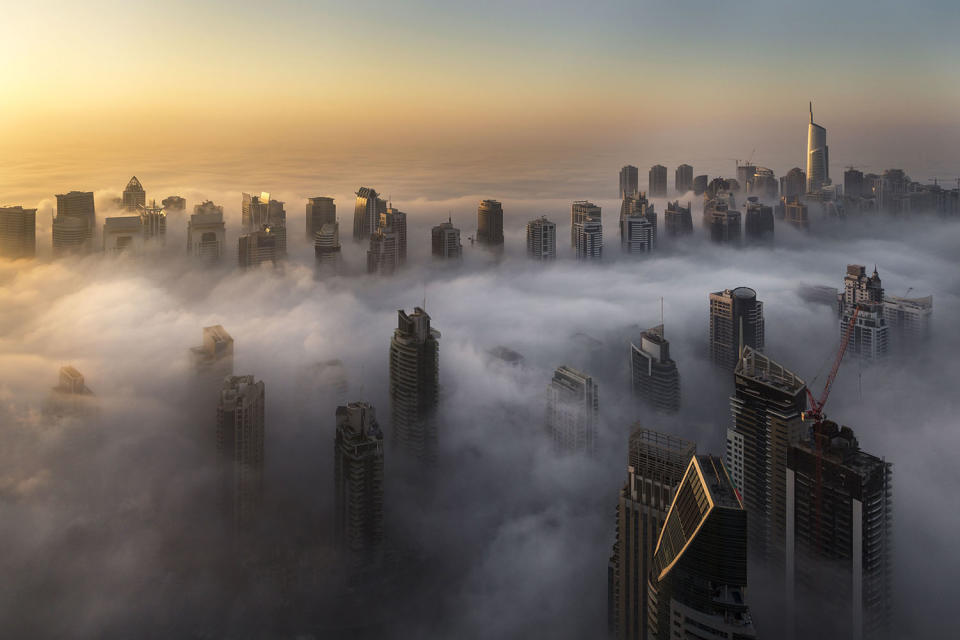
(766, 408)
(656, 464)
(321, 210)
(240, 437)
(818, 158)
(653, 374)
(632, 207)
(582, 211)
(736, 320)
(763, 184)
(794, 184)
(700, 184)
(758, 222)
(258, 247)
(677, 220)
(326, 248)
(629, 181)
(445, 241)
(908, 319)
(123, 234)
(206, 232)
(215, 355)
(636, 234)
(153, 221)
(133, 195)
(745, 173)
(358, 481)
(658, 181)
(589, 240)
(388, 244)
(839, 534)
(870, 338)
(573, 410)
(698, 583)
(415, 385)
(490, 224)
(75, 223)
(366, 213)
(18, 233)
(541, 239)
(722, 220)
(683, 179)
(397, 221)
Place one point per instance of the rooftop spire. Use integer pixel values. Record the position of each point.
(811, 112)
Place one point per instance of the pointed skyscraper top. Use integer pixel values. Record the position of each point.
(811, 111)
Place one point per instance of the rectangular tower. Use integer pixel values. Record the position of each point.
(629, 181)
(358, 481)
(573, 409)
(654, 375)
(581, 211)
(18, 233)
(415, 385)
(658, 181)
(736, 320)
(240, 438)
(541, 239)
(321, 210)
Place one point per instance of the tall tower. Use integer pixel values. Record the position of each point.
(818, 159)
(758, 222)
(240, 433)
(736, 320)
(581, 211)
(415, 385)
(629, 181)
(153, 221)
(18, 233)
(258, 247)
(326, 248)
(133, 195)
(445, 241)
(215, 355)
(589, 239)
(632, 232)
(658, 181)
(683, 179)
(366, 213)
(870, 332)
(573, 410)
(320, 211)
(490, 223)
(656, 463)
(388, 244)
(206, 232)
(677, 219)
(541, 239)
(75, 223)
(654, 375)
(698, 585)
(766, 408)
(358, 481)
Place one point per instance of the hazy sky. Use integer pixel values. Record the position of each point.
(654, 81)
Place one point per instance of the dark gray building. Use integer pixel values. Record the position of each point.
(658, 181)
(734, 314)
(683, 179)
(629, 181)
(358, 481)
(490, 223)
(654, 376)
(415, 385)
(321, 210)
(240, 437)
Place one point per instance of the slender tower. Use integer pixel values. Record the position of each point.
(818, 160)
(414, 385)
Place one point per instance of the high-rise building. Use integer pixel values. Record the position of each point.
(722, 220)
(258, 212)
(123, 234)
(736, 321)
(656, 463)
(632, 207)
(629, 181)
(908, 319)
(174, 203)
(358, 481)
(653, 373)
(683, 179)
(215, 355)
(870, 331)
(853, 186)
(71, 397)
(589, 239)
(698, 583)
(763, 184)
(388, 244)
(581, 211)
(758, 222)
(396, 220)
(320, 211)
(18, 233)
(573, 410)
(636, 233)
(745, 173)
(839, 538)
(258, 247)
(700, 184)
(794, 184)
(795, 212)
(133, 195)
(366, 213)
(818, 158)
(206, 232)
(75, 223)
(326, 248)
(240, 436)
(445, 241)
(153, 221)
(490, 223)
(658, 181)
(415, 385)
(767, 408)
(677, 220)
(541, 239)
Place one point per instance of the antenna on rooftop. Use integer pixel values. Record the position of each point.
(661, 315)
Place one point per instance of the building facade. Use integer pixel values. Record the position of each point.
(415, 385)
(206, 232)
(258, 247)
(582, 211)
(358, 481)
(870, 339)
(653, 374)
(123, 234)
(677, 220)
(445, 241)
(541, 239)
(573, 409)
(18, 233)
(818, 159)
(133, 195)
(490, 224)
(588, 243)
(629, 181)
(758, 222)
(75, 223)
(366, 213)
(326, 248)
(736, 320)
(240, 438)
(321, 210)
(683, 179)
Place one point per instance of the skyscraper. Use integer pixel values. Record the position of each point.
(415, 385)
(326, 248)
(629, 181)
(541, 239)
(153, 221)
(796, 213)
(658, 181)
(818, 159)
(656, 463)
(490, 224)
(320, 211)
(366, 213)
(573, 409)
(745, 173)
(636, 233)
(174, 203)
(206, 232)
(794, 184)
(677, 220)
(258, 212)
(18, 233)
(240, 436)
(358, 481)
(258, 247)
(853, 186)
(758, 222)
(698, 584)
(397, 220)
(589, 239)
(700, 184)
(581, 211)
(767, 408)
(683, 179)
(763, 184)
(632, 207)
(388, 244)
(133, 195)
(75, 223)
(445, 241)
(122, 234)
(722, 221)
(653, 374)
(870, 332)
(71, 397)
(839, 537)
(908, 319)
(215, 355)
(736, 320)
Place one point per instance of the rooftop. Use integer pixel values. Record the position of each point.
(758, 367)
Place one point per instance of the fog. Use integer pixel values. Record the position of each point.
(108, 524)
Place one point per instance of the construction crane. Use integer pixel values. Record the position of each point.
(816, 415)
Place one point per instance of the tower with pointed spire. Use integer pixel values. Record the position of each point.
(818, 159)
(133, 195)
